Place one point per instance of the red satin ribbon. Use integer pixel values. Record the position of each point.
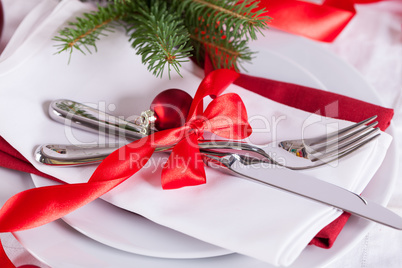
(320, 22)
(225, 116)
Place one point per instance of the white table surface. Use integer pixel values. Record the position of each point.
(372, 43)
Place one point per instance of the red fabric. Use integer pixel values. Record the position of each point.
(12, 159)
(317, 101)
(327, 236)
(323, 22)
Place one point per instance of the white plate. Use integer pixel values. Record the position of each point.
(133, 233)
(312, 66)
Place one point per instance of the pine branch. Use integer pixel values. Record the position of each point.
(159, 36)
(166, 32)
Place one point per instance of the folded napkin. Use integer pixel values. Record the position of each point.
(242, 216)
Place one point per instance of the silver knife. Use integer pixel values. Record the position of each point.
(306, 186)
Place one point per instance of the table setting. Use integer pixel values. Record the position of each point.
(184, 205)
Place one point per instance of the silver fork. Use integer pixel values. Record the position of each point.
(319, 151)
(335, 143)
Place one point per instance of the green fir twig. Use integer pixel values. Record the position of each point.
(167, 32)
(159, 36)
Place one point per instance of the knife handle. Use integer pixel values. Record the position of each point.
(78, 115)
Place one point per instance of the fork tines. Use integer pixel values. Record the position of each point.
(343, 142)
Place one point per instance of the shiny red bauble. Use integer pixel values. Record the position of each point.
(171, 108)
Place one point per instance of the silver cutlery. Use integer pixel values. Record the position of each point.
(320, 151)
(239, 159)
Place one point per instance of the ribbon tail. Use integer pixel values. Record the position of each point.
(185, 166)
(321, 22)
(36, 207)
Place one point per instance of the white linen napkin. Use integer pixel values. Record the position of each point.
(230, 212)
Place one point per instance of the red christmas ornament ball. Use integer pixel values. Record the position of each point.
(171, 108)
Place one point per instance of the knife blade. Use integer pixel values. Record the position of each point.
(307, 187)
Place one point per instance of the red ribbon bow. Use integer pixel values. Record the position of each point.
(225, 116)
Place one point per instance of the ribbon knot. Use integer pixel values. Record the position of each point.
(197, 126)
